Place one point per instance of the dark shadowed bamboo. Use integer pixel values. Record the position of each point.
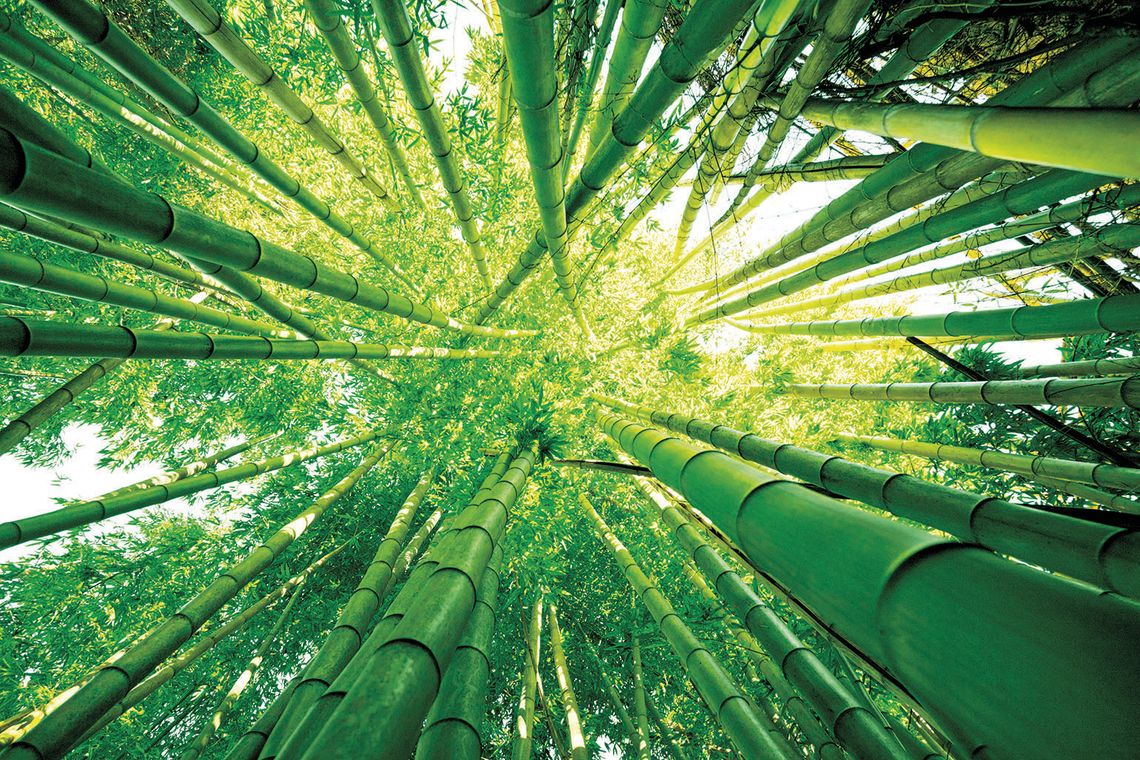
(395, 683)
(93, 28)
(397, 28)
(895, 591)
(36, 179)
(1101, 555)
(86, 512)
(327, 19)
(59, 731)
(731, 710)
(602, 41)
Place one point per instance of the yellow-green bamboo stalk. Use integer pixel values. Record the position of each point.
(641, 738)
(206, 21)
(397, 29)
(326, 17)
(574, 732)
(1122, 366)
(1099, 141)
(60, 730)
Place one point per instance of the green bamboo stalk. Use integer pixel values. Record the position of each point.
(37, 274)
(393, 681)
(206, 735)
(792, 705)
(343, 642)
(1016, 200)
(844, 167)
(1088, 140)
(523, 737)
(602, 42)
(25, 337)
(185, 471)
(93, 28)
(574, 732)
(14, 219)
(665, 733)
(528, 38)
(729, 707)
(832, 39)
(1092, 473)
(253, 742)
(895, 591)
(641, 737)
(704, 32)
(86, 512)
(206, 21)
(798, 665)
(454, 726)
(571, 55)
(397, 29)
(324, 707)
(1101, 555)
(1098, 74)
(38, 180)
(1122, 366)
(59, 731)
(326, 17)
(110, 107)
(1084, 316)
(639, 24)
(1094, 495)
(22, 120)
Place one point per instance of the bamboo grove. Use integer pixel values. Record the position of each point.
(608, 378)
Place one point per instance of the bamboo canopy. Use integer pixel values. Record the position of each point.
(926, 203)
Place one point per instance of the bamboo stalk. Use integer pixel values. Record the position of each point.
(882, 583)
(523, 738)
(37, 179)
(93, 28)
(641, 737)
(601, 44)
(59, 731)
(1122, 366)
(575, 734)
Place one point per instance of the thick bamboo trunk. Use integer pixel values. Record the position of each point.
(895, 590)
(393, 684)
(60, 730)
(1101, 555)
(39, 180)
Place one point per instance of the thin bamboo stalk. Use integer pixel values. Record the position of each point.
(1122, 366)
(523, 737)
(59, 731)
(1101, 555)
(883, 583)
(25, 337)
(202, 741)
(575, 734)
(394, 684)
(91, 27)
(326, 17)
(397, 29)
(528, 38)
(602, 42)
(729, 707)
(86, 512)
(641, 737)
(38, 180)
